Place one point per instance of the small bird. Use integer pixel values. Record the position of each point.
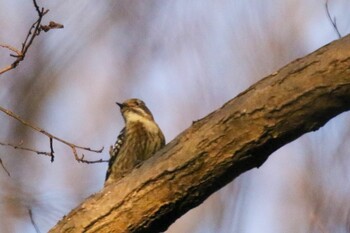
(137, 141)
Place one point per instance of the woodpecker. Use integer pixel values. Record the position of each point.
(137, 141)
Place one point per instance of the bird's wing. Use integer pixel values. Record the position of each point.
(114, 150)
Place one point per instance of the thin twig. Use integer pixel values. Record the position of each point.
(32, 220)
(333, 21)
(20, 147)
(3, 166)
(37, 8)
(7, 68)
(92, 161)
(51, 150)
(33, 31)
(31, 35)
(13, 49)
(51, 137)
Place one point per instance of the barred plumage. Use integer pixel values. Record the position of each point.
(114, 150)
(140, 139)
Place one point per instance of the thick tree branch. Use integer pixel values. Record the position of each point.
(299, 98)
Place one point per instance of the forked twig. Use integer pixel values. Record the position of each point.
(34, 31)
(51, 138)
(333, 21)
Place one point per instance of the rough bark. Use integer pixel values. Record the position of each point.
(299, 98)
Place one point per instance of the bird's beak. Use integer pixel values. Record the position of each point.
(120, 105)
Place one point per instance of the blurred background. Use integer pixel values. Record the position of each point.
(184, 59)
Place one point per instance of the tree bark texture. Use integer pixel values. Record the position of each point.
(299, 98)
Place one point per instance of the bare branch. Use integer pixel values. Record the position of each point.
(12, 49)
(3, 166)
(299, 98)
(51, 137)
(32, 220)
(20, 147)
(34, 31)
(51, 152)
(37, 8)
(32, 34)
(92, 161)
(333, 21)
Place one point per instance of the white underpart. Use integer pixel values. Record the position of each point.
(134, 117)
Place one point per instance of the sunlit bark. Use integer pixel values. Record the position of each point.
(299, 98)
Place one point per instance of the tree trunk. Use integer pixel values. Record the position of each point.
(299, 98)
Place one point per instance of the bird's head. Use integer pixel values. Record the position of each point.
(135, 110)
